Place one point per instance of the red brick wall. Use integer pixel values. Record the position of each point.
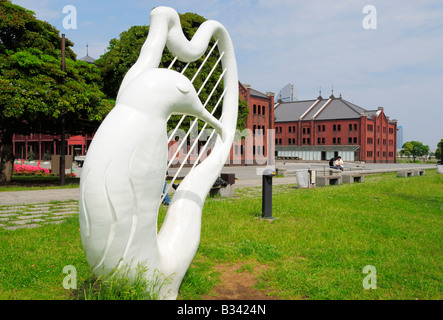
(325, 132)
(255, 145)
(376, 136)
(380, 139)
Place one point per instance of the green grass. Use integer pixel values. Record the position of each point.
(124, 284)
(32, 261)
(316, 248)
(23, 183)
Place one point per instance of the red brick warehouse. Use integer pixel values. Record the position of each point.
(323, 128)
(255, 144)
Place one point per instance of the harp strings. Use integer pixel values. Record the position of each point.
(195, 121)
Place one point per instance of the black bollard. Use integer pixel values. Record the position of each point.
(267, 193)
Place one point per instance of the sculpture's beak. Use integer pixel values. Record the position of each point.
(193, 106)
(206, 116)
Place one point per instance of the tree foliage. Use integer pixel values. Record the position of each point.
(438, 151)
(415, 149)
(34, 92)
(20, 29)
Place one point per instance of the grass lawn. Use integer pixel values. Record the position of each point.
(315, 249)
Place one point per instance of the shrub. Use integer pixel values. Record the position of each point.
(31, 155)
(46, 156)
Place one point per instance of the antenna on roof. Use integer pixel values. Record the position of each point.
(332, 92)
(319, 94)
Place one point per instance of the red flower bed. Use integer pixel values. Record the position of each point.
(28, 170)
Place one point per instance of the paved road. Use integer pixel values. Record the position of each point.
(247, 177)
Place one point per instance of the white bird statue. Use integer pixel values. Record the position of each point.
(124, 171)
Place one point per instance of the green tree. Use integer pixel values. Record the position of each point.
(406, 149)
(438, 152)
(35, 92)
(415, 149)
(123, 53)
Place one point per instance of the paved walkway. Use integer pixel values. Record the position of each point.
(247, 177)
(37, 196)
(48, 195)
(36, 215)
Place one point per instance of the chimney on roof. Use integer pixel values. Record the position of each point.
(246, 85)
(270, 94)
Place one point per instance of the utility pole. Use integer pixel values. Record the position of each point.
(62, 135)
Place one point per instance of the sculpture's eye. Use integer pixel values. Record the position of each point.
(184, 87)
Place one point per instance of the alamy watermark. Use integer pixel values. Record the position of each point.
(248, 147)
(370, 20)
(70, 281)
(70, 20)
(370, 281)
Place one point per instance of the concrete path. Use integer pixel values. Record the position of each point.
(48, 195)
(13, 217)
(38, 196)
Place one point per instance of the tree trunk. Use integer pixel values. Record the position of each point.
(6, 157)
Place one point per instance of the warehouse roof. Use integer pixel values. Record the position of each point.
(320, 109)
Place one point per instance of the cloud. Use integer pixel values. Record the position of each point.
(44, 9)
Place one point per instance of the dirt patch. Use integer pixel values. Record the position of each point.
(237, 282)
